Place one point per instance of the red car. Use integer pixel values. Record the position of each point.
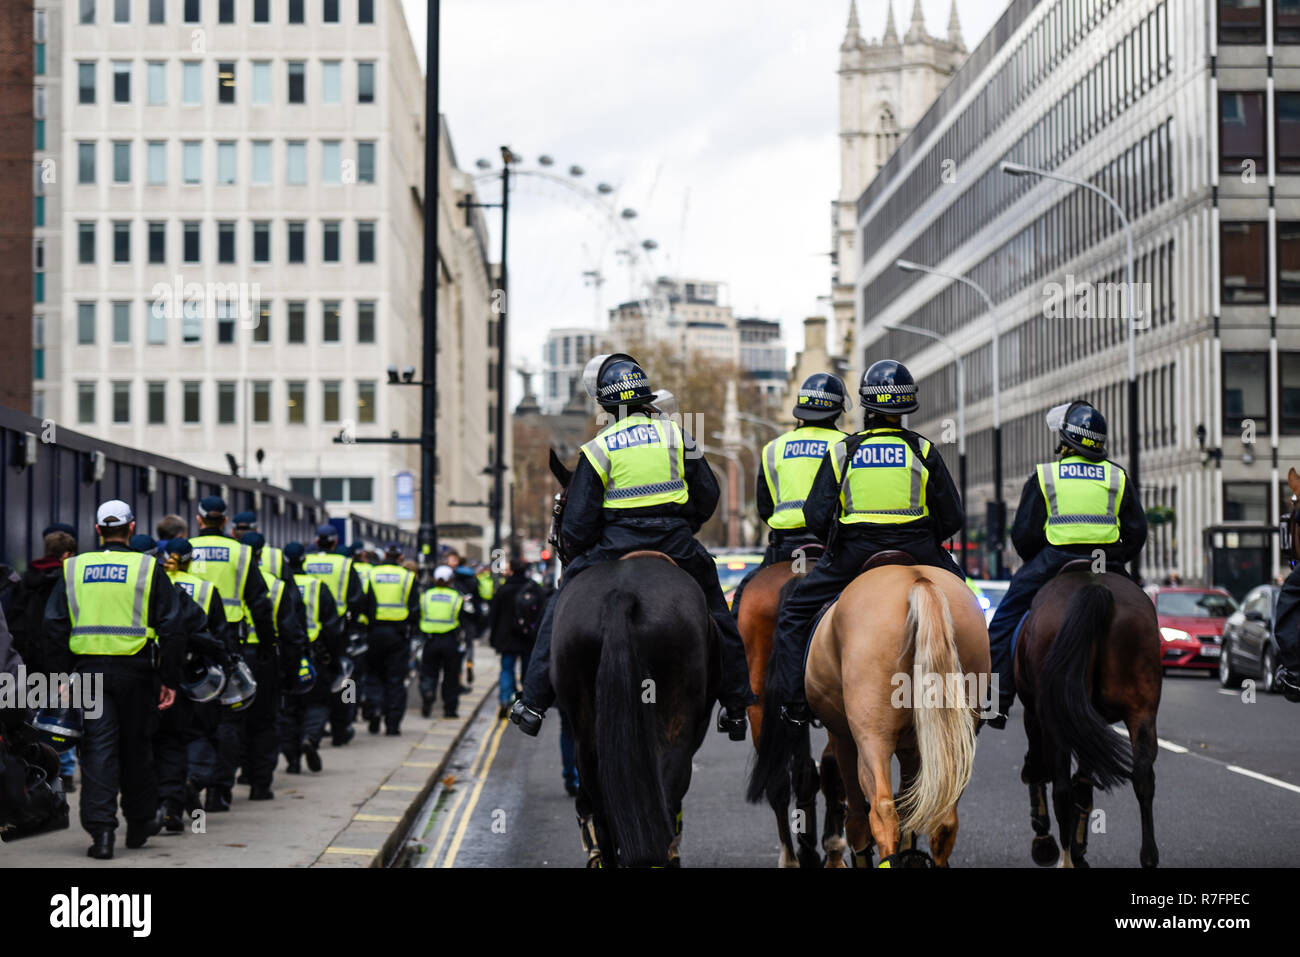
(1191, 625)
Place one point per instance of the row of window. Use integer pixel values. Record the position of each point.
(159, 396)
(1242, 21)
(230, 315)
(192, 10)
(1244, 263)
(364, 251)
(1243, 132)
(1247, 388)
(333, 169)
(342, 489)
(191, 90)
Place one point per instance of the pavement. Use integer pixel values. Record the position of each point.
(351, 814)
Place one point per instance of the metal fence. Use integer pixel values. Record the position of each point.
(52, 474)
(379, 534)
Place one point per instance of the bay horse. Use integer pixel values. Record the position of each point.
(1088, 655)
(756, 617)
(897, 665)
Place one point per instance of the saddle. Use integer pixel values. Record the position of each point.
(1077, 565)
(647, 553)
(890, 556)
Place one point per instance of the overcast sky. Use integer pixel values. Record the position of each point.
(716, 120)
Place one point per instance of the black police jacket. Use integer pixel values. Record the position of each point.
(1029, 531)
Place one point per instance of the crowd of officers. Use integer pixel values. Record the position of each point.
(220, 653)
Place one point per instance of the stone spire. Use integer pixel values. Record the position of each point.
(852, 35)
(916, 29)
(954, 28)
(891, 34)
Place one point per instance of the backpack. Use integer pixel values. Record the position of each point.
(530, 601)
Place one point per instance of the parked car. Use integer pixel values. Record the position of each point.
(733, 566)
(990, 593)
(1191, 623)
(1249, 648)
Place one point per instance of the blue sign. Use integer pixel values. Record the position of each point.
(104, 573)
(879, 456)
(1071, 470)
(405, 483)
(212, 553)
(808, 449)
(628, 438)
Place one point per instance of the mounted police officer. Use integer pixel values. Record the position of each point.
(1068, 509)
(393, 607)
(441, 607)
(636, 487)
(302, 717)
(337, 573)
(789, 464)
(114, 613)
(885, 487)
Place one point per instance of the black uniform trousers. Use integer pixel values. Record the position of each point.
(249, 738)
(117, 746)
(205, 719)
(177, 729)
(388, 661)
(441, 655)
(302, 717)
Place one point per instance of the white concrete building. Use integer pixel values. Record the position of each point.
(566, 353)
(690, 314)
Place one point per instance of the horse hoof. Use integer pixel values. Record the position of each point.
(1149, 860)
(809, 858)
(836, 860)
(1044, 851)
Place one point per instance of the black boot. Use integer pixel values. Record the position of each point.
(529, 721)
(260, 792)
(218, 800)
(173, 817)
(312, 753)
(426, 707)
(102, 848)
(193, 799)
(731, 721)
(137, 832)
(375, 722)
(1288, 682)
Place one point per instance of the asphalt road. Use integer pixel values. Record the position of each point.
(1227, 795)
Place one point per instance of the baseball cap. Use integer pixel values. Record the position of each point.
(442, 573)
(59, 527)
(114, 513)
(246, 518)
(326, 531)
(142, 542)
(254, 540)
(179, 547)
(295, 551)
(212, 504)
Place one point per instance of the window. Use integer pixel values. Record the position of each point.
(121, 242)
(297, 242)
(226, 322)
(261, 83)
(1288, 262)
(366, 401)
(225, 242)
(1244, 262)
(86, 244)
(190, 402)
(191, 162)
(226, 163)
(361, 490)
(226, 81)
(332, 488)
(157, 77)
(365, 322)
(156, 323)
(192, 12)
(121, 323)
(225, 11)
(331, 87)
(262, 242)
(303, 486)
(297, 403)
(191, 83)
(157, 159)
(365, 242)
(330, 162)
(297, 323)
(365, 162)
(1286, 21)
(296, 163)
(192, 322)
(1287, 132)
(121, 403)
(1242, 132)
(1245, 391)
(157, 11)
(296, 11)
(225, 403)
(262, 331)
(121, 81)
(86, 403)
(157, 243)
(38, 255)
(261, 162)
(365, 11)
(157, 403)
(261, 11)
(38, 217)
(1246, 502)
(85, 323)
(86, 83)
(331, 11)
(86, 163)
(121, 11)
(87, 11)
(330, 400)
(261, 402)
(191, 246)
(330, 242)
(121, 162)
(1288, 373)
(297, 82)
(330, 331)
(1241, 21)
(365, 82)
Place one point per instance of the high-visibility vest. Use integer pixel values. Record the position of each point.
(364, 571)
(197, 588)
(487, 586)
(276, 587)
(310, 586)
(1082, 500)
(440, 610)
(332, 570)
(108, 602)
(391, 585)
(226, 563)
(790, 463)
(273, 560)
(641, 461)
(884, 482)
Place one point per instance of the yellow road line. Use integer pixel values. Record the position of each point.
(419, 764)
(371, 851)
(400, 787)
(388, 818)
(473, 801)
(451, 816)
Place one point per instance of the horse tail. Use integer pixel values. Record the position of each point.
(631, 790)
(1065, 700)
(945, 735)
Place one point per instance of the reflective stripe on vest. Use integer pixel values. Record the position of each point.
(333, 571)
(363, 570)
(226, 563)
(108, 602)
(790, 463)
(391, 586)
(1082, 500)
(310, 586)
(440, 610)
(885, 481)
(273, 561)
(640, 462)
(197, 588)
(276, 588)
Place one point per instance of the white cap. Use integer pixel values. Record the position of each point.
(113, 514)
(442, 573)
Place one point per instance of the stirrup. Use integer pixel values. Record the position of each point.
(799, 714)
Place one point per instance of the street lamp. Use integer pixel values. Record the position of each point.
(1134, 444)
(961, 417)
(999, 506)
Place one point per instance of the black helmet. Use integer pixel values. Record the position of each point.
(617, 379)
(822, 396)
(1081, 428)
(889, 388)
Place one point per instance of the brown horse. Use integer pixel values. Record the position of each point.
(897, 666)
(756, 617)
(1088, 655)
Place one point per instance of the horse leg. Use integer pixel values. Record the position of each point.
(832, 786)
(1063, 803)
(804, 781)
(1142, 734)
(1081, 796)
(874, 774)
(943, 838)
(855, 820)
(1044, 849)
(779, 800)
(597, 841)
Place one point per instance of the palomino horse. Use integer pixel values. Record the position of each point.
(1088, 655)
(896, 667)
(756, 617)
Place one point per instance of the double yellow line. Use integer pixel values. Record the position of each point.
(494, 738)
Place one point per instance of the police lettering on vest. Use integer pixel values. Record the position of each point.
(884, 481)
(226, 564)
(391, 585)
(104, 573)
(108, 603)
(790, 464)
(440, 610)
(640, 461)
(1082, 501)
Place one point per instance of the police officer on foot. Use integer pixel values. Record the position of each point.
(1068, 509)
(270, 558)
(337, 573)
(303, 717)
(114, 613)
(440, 621)
(393, 607)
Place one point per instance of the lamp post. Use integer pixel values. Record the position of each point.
(961, 417)
(429, 391)
(1134, 442)
(999, 506)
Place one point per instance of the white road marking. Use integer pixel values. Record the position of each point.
(1229, 692)
(1263, 777)
(1167, 745)
(1234, 768)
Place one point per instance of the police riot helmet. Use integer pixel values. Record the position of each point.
(305, 679)
(616, 379)
(1081, 428)
(201, 679)
(887, 387)
(60, 728)
(822, 396)
(343, 671)
(241, 686)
